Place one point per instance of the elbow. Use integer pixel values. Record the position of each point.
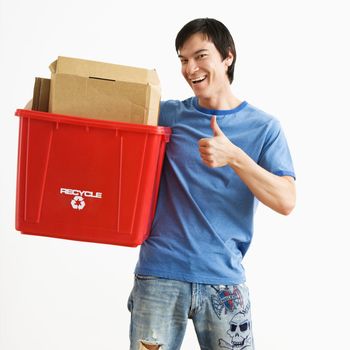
(287, 208)
(286, 211)
(287, 204)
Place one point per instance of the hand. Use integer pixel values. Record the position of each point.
(216, 151)
(29, 104)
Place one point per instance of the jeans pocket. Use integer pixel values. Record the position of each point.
(130, 303)
(146, 277)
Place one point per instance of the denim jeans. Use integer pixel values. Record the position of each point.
(161, 307)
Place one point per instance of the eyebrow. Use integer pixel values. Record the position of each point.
(195, 53)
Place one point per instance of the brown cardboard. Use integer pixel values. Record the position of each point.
(41, 94)
(106, 91)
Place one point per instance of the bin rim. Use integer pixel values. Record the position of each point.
(87, 122)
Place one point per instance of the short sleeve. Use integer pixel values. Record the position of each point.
(275, 155)
(167, 113)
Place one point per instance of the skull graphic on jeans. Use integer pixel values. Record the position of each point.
(239, 332)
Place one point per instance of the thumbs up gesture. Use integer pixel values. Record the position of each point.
(216, 151)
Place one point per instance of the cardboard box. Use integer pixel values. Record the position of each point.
(105, 91)
(41, 95)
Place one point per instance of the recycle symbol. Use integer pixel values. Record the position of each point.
(78, 203)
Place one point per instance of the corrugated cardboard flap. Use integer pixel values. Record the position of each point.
(105, 91)
(101, 70)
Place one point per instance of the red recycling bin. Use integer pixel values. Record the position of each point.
(86, 179)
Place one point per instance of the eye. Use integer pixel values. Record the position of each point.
(201, 56)
(243, 327)
(183, 61)
(233, 327)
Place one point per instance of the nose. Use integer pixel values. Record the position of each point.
(191, 67)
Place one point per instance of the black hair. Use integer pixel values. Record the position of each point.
(216, 32)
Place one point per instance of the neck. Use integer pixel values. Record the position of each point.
(222, 99)
(219, 103)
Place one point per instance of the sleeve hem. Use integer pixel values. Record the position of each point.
(284, 173)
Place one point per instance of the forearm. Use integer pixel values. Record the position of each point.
(277, 192)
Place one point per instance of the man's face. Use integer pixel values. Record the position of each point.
(203, 68)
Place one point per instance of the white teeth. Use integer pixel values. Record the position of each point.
(197, 80)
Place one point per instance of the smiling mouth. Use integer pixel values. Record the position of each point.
(198, 80)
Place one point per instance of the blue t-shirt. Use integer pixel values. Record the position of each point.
(203, 224)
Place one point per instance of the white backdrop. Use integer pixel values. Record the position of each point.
(293, 60)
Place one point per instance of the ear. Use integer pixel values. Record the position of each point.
(229, 58)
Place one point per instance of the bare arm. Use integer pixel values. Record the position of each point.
(277, 192)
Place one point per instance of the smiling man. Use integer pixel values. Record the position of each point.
(225, 156)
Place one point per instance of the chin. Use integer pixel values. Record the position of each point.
(202, 91)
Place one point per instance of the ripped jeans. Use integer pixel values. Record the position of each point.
(161, 307)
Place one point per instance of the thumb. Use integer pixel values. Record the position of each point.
(215, 127)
